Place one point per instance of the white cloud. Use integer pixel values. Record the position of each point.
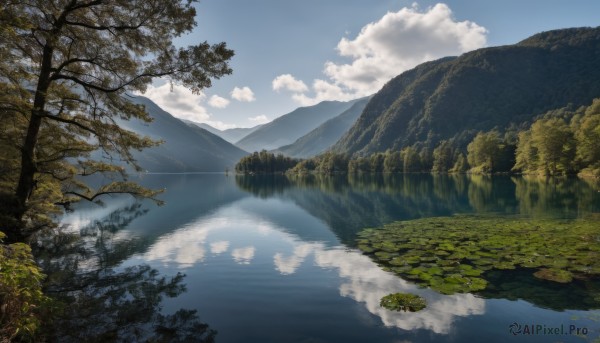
(182, 103)
(323, 90)
(218, 102)
(179, 101)
(288, 82)
(261, 119)
(243, 94)
(395, 43)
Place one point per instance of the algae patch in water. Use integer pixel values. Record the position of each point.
(403, 302)
(452, 254)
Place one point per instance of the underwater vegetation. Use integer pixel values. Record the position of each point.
(403, 302)
(454, 254)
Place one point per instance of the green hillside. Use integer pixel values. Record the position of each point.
(498, 87)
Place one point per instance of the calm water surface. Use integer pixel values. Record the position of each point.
(271, 259)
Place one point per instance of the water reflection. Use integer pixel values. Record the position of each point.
(361, 279)
(283, 249)
(350, 203)
(288, 265)
(367, 283)
(243, 255)
(100, 301)
(219, 247)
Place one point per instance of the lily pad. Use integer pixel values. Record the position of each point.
(403, 302)
(454, 254)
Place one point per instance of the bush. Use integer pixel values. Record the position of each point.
(21, 297)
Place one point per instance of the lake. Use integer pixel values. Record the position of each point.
(274, 259)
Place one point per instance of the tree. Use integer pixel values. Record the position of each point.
(443, 157)
(376, 162)
(411, 159)
(66, 68)
(460, 165)
(588, 138)
(393, 162)
(483, 151)
(555, 145)
(526, 158)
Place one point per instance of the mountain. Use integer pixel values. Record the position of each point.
(185, 148)
(230, 135)
(289, 127)
(324, 136)
(453, 98)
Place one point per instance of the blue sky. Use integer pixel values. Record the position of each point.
(297, 53)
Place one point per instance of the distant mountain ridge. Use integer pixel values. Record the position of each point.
(453, 98)
(185, 149)
(323, 137)
(291, 126)
(230, 135)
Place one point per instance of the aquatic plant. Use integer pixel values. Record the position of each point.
(453, 254)
(403, 302)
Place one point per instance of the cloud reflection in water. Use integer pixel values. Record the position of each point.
(361, 279)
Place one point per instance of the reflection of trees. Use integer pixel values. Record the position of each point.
(349, 203)
(263, 186)
(541, 196)
(491, 194)
(104, 302)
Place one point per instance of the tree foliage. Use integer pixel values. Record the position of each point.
(65, 69)
(483, 151)
(561, 142)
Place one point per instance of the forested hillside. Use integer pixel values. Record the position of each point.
(500, 87)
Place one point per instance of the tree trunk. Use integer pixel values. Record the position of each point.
(28, 164)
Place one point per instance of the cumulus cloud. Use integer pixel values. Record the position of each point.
(395, 43)
(261, 119)
(288, 82)
(179, 101)
(218, 102)
(244, 94)
(182, 103)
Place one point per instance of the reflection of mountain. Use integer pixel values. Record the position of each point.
(187, 197)
(350, 203)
